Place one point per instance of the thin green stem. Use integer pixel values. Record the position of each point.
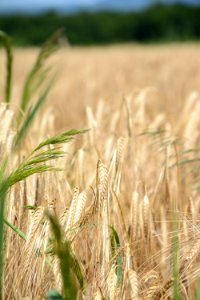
(9, 63)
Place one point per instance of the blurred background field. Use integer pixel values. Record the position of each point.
(86, 75)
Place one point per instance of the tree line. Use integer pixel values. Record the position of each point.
(155, 24)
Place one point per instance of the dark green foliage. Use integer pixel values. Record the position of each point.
(156, 24)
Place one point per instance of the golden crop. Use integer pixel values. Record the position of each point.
(136, 170)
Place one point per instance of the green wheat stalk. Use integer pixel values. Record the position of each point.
(8, 49)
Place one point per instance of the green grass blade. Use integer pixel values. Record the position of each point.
(3, 192)
(191, 150)
(15, 229)
(77, 271)
(60, 138)
(115, 246)
(8, 48)
(2, 206)
(50, 154)
(62, 250)
(175, 252)
(21, 174)
(35, 163)
(31, 115)
(198, 290)
(38, 73)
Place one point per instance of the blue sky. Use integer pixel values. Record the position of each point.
(11, 6)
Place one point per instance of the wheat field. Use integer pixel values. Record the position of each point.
(127, 198)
